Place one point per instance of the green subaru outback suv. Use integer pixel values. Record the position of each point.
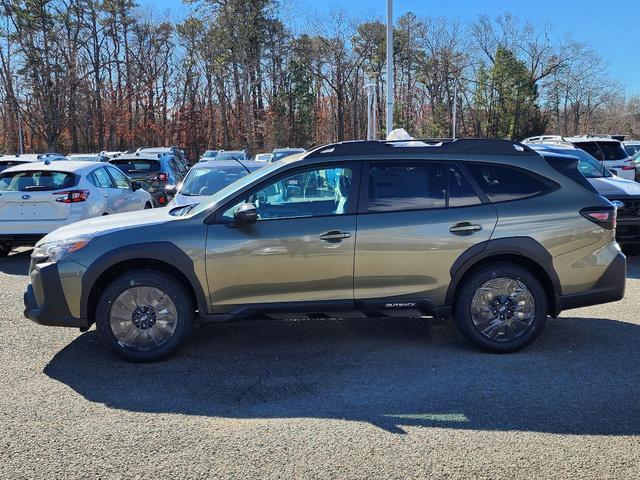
(490, 233)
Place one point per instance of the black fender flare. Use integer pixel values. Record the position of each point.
(525, 247)
(164, 252)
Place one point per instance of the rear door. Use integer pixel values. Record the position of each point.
(415, 220)
(106, 188)
(127, 201)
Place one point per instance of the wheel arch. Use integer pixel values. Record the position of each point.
(161, 256)
(522, 251)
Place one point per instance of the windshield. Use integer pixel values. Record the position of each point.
(210, 154)
(36, 180)
(234, 187)
(207, 181)
(231, 156)
(137, 166)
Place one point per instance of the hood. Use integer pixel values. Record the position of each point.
(615, 186)
(110, 223)
(181, 200)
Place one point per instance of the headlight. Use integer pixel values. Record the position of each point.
(56, 250)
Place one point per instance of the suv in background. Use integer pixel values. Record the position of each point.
(154, 172)
(623, 193)
(237, 155)
(209, 155)
(488, 232)
(280, 153)
(179, 154)
(605, 149)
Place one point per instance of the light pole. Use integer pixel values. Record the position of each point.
(389, 66)
(19, 115)
(455, 109)
(370, 88)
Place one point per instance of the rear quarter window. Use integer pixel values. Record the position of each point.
(503, 184)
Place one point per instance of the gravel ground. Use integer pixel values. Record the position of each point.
(323, 399)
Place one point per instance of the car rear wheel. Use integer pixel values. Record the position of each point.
(144, 316)
(501, 308)
(5, 249)
(147, 206)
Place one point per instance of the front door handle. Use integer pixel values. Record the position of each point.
(334, 236)
(465, 228)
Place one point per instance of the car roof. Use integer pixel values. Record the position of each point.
(71, 166)
(33, 157)
(289, 149)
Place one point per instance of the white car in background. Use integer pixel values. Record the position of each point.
(38, 197)
(7, 161)
(605, 149)
(262, 157)
(88, 157)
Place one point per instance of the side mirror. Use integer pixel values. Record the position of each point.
(171, 189)
(246, 214)
(135, 185)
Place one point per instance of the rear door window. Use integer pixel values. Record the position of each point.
(398, 186)
(121, 181)
(100, 178)
(502, 184)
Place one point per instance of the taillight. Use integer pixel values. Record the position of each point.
(602, 216)
(163, 177)
(72, 196)
(630, 165)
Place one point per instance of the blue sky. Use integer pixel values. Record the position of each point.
(613, 32)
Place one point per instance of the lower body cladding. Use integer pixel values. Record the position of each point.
(54, 298)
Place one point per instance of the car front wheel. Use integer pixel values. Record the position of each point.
(501, 308)
(144, 316)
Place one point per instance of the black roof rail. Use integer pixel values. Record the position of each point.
(433, 145)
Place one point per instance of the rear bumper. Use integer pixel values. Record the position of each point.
(44, 299)
(609, 288)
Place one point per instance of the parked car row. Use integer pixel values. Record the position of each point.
(267, 157)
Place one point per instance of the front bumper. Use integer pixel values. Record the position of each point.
(45, 301)
(609, 288)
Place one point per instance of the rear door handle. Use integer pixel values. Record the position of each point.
(465, 228)
(334, 236)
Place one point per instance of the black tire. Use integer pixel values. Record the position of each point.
(185, 313)
(147, 206)
(472, 283)
(5, 249)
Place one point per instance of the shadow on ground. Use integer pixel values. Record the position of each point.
(581, 377)
(17, 263)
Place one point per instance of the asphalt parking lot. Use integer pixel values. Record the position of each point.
(323, 399)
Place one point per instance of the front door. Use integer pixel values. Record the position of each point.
(301, 248)
(418, 218)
